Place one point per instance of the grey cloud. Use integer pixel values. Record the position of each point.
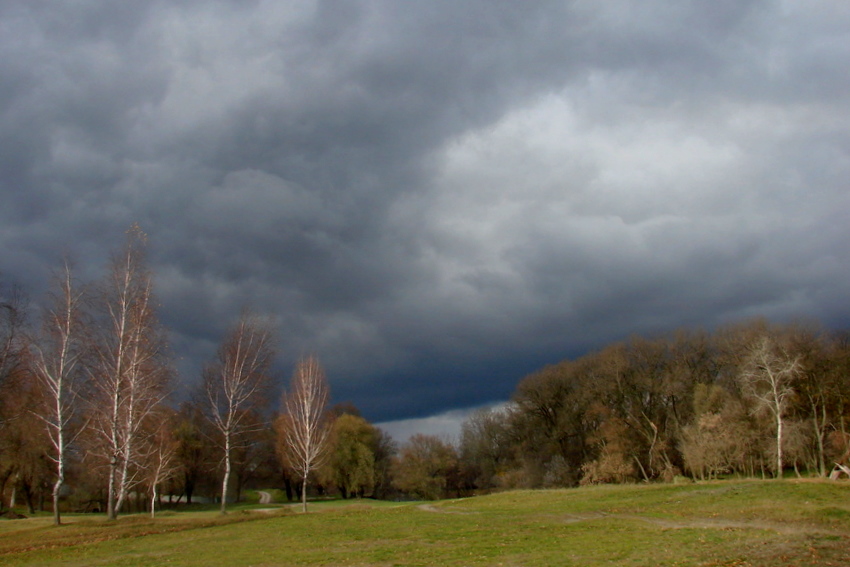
(436, 197)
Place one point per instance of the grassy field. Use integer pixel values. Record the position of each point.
(729, 523)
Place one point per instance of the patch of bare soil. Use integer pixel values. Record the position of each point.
(708, 523)
(436, 510)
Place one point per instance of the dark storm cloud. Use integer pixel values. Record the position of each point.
(436, 197)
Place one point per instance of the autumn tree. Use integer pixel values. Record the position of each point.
(485, 448)
(303, 422)
(57, 366)
(194, 451)
(548, 425)
(13, 318)
(24, 445)
(818, 386)
(13, 368)
(426, 468)
(237, 382)
(132, 375)
(385, 449)
(287, 472)
(351, 456)
(720, 439)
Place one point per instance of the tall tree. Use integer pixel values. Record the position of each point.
(236, 382)
(56, 364)
(767, 376)
(133, 371)
(484, 448)
(305, 428)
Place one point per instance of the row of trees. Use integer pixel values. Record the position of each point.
(752, 399)
(103, 371)
(85, 418)
(88, 389)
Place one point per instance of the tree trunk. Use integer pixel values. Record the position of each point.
(111, 512)
(820, 431)
(287, 486)
(821, 457)
(28, 497)
(226, 473)
(304, 494)
(188, 487)
(123, 482)
(239, 482)
(56, 488)
(3, 480)
(153, 501)
(778, 446)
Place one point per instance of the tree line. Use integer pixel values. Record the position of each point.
(85, 395)
(86, 422)
(751, 399)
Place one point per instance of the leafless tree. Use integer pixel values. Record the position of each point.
(767, 376)
(237, 382)
(56, 365)
(304, 426)
(133, 372)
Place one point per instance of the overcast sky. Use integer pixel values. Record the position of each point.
(436, 197)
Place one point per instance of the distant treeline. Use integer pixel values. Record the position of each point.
(753, 399)
(85, 419)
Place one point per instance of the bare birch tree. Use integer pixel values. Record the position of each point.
(767, 376)
(56, 365)
(133, 373)
(304, 424)
(237, 382)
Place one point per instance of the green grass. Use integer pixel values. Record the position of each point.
(728, 523)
